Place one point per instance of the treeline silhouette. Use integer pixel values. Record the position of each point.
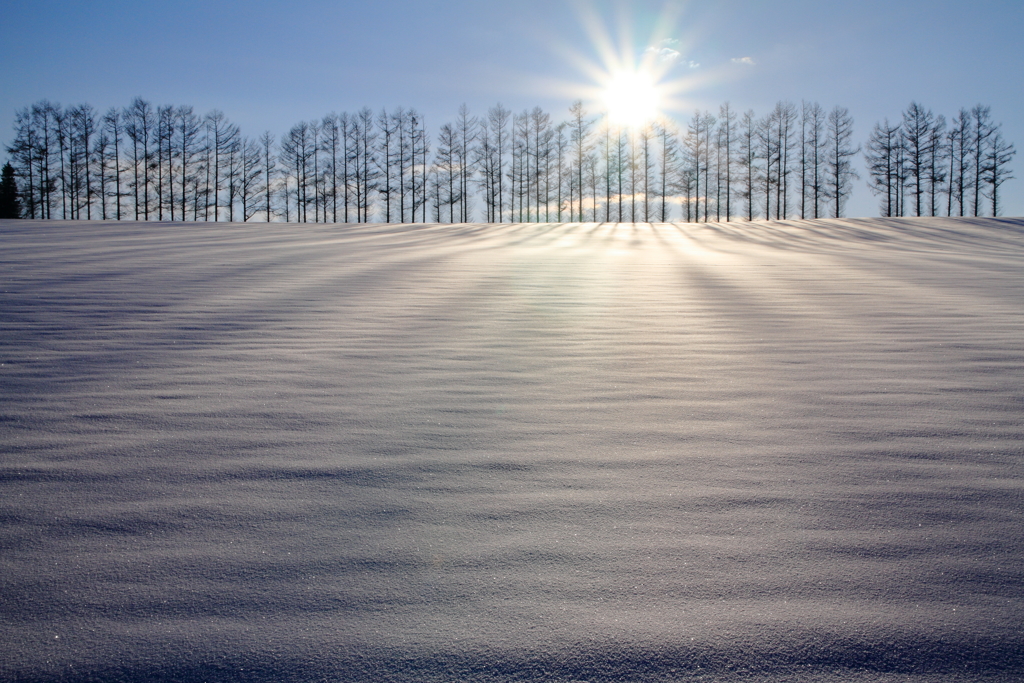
(919, 161)
(146, 162)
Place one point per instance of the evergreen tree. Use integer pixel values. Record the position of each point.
(10, 203)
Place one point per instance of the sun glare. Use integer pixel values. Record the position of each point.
(631, 98)
(630, 84)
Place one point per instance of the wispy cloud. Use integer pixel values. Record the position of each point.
(664, 55)
(749, 61)
(664, 52)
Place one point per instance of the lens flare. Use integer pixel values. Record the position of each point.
(632, 77)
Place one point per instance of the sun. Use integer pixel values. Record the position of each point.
(631, 98)
(628, 83)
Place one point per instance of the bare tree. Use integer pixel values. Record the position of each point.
(726, 134)
(916, 129)
(297, 151)
(840, 171)
(24, 153)
(748, 148)
(50, 142)
(632, 167)
(498, 118)
(332, 149)
(138, 118)
(485, 160)
(777, 143)
(187, 129)
(201, 190)
(804, 106)
(936, 173)
(104, 164)
(517, 175)
(78, 128)
(348, 128)
(465, 127)
(420, 150)
(488, 160)
(592, 177)
(316, 179)
(222, 139)
(981, 130)
(688, 186)
(698, 144)
(402, 163)
(669, 163)
(62, 132)
(621, 166)
(709, 135)
(387, 126)
(232, 165)
(269, 168)
(959, 150)
(882, 154)
(787, 143)
(580, 137)
(540, 127)
(606, 152)
(447, 172)
(812, 156)
(817, 143)
(997, 170)
(366, 175)
(647, 164)
(66, 140)
(561, 146)
(163, 139)
(251, 178)
(768, 149)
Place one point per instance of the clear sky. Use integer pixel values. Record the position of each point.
(268, 64)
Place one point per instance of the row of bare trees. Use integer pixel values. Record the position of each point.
(724, 167)
(920, 163)
(140, 163)
(170, 163)
(792, 161)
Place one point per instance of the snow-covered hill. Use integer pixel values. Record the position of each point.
(574, 452)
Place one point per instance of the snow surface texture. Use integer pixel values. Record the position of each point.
(577, 452)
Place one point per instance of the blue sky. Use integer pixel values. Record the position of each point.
(269, 64)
